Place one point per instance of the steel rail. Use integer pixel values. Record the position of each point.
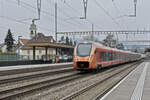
(80, 92)
(27, 70)
(109, 88)
(28, 89)
(21, 77)
(7, 94)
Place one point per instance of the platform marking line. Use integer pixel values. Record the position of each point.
(120, 83)
(31, 66)
(138, 91)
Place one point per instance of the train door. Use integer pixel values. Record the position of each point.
(96, 57)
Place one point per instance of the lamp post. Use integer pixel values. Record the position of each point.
(19, 45)
(56, 23)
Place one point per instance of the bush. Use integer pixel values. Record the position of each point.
(8, 53)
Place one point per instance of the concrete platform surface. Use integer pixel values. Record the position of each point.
(136, 86)
(31, 66)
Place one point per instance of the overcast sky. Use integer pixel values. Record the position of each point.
(103, 15)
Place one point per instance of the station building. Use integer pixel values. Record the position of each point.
(27, 51)
(39, 45)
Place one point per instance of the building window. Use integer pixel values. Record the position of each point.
(28, 52)
(51, 40)
(40, 51)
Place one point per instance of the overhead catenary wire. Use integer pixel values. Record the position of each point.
(66, 14)
(21, 22)
(89, 21)
(30, 7)
(49, 14)
(107, 13)
(31, 10)
(116, 7)
(39, 10)
(119, 11)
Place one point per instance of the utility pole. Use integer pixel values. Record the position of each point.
(135, 5)
(56, 21)
(18, 2)
(92, 31)
(149, 35)
(33, 28)
(85, 8)
(92, 28)
(135, 9)
(19, 45)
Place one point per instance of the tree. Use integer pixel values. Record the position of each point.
(71, 43)
(67, 40)
(110, 41)
(90, 38)
(62, 38)
(120, 46)
(9, 41)
(75, 43)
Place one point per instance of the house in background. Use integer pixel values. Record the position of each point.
(3, 48)
(27, 52)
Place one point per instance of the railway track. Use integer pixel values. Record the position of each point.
(29, 88)
(11, 83)
(31, 75)
(41, 85)
(34, 69)
(8, 94)
(87, 92)
(57, 92)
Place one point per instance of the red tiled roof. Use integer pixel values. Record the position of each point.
(42, 38)
(24, 41)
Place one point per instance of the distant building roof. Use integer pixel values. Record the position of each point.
(42, 38)
(24, 41)
(39, 38)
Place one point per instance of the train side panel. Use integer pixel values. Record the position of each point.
(103, 57)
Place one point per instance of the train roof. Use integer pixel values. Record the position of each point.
(109, 48)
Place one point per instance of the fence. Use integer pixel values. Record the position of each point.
(9, 57)
(15, 57)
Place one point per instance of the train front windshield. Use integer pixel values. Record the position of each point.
(84, 49)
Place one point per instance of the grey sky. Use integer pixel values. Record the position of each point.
(12, 16)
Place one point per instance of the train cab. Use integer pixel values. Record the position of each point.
(84, 56)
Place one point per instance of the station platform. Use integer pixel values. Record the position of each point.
(136, 86)
(6, 68)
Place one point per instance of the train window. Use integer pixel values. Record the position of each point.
(117, 56)
(113, 55)
(106, 56)
(95, 52)
(102, 55)
(110, 56)
(84, 49)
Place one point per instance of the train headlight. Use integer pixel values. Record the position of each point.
(75, 57)
(90, 56)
